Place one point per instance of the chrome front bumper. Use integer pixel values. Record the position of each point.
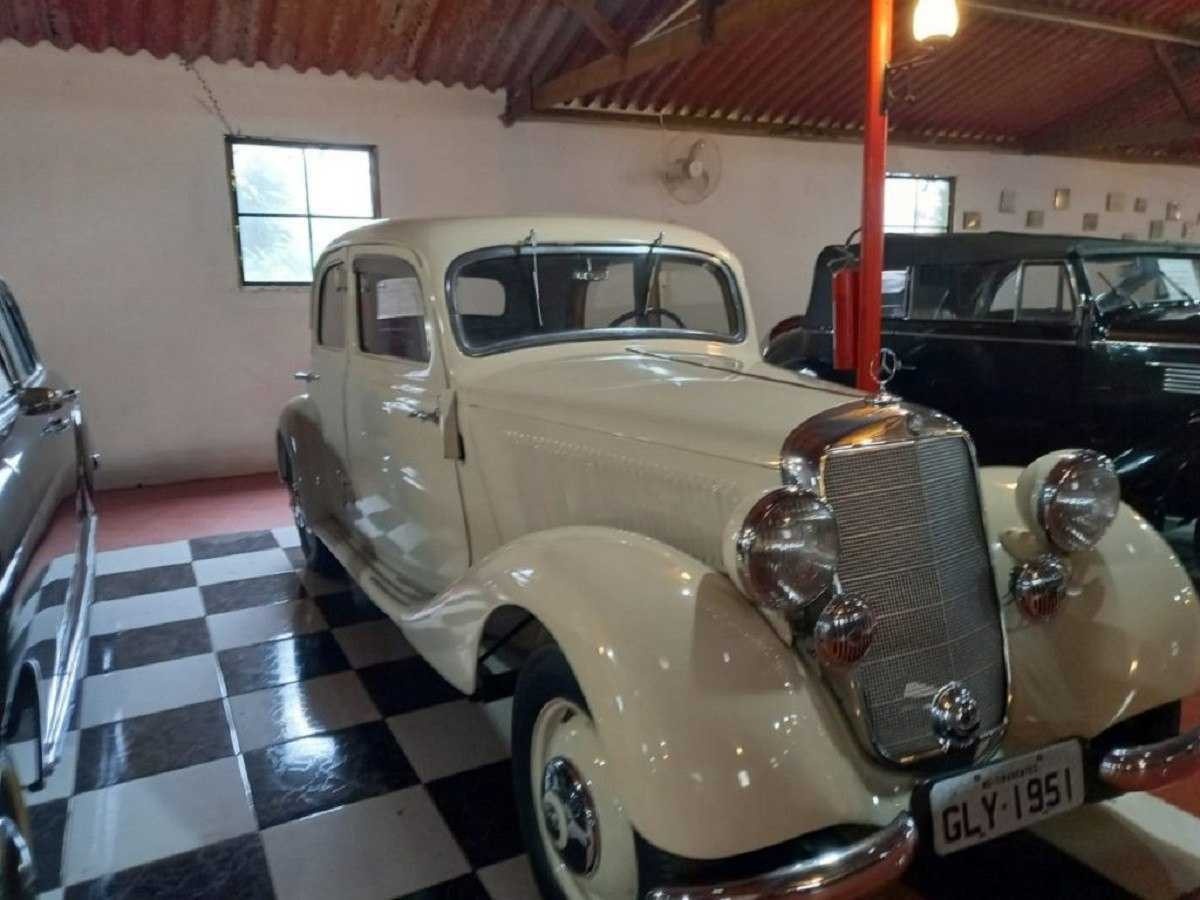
(848, 872)
(1152, 766)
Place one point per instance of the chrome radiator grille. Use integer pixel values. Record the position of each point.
(912, 546)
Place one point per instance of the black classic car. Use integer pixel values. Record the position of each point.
(47, 553)
(1036, 342)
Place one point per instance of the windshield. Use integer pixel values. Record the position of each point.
(1143, 281)
(514, 296)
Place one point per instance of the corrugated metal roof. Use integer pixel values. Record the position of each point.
(1002, 81)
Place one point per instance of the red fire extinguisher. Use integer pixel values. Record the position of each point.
(845, 314)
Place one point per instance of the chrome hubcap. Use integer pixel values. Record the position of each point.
(569, 816)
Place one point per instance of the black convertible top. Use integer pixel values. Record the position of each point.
(904, 250)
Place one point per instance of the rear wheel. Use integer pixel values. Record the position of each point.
(579, 840)
(316, 555)
(16, 857)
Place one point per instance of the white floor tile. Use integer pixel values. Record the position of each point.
(286, 536)
(241, 565)
(60, 783)
(146, 689)
(145, 610)
(499, 713)
(1143, 844)
(149, 818)
(298, 710)
(383, 847)
(264, 623)
(109, 562)
(55, 894)
(447, 738)
(509, 880)
(368, 643)
(60, 567)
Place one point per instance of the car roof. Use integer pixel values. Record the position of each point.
(441, 240)
(901, 250)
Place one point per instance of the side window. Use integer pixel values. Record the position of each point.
(331, 318)
(16, 340)
(391, 311)
(1046, 293)
(1004, 298)
(895, 293)
(6, 384)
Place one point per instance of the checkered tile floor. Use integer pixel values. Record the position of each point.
(245, 729)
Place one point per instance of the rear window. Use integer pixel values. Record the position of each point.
(508, 297)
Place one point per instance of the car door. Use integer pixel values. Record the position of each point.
(326, 381)
(48, 533)
(402, 437)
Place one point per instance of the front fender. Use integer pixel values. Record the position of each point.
(1126, 640)
(304, 460)
(720, 741)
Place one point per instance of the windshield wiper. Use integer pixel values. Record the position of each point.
(1188, 298)
(649, 264)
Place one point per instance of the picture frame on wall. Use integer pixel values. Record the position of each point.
(1174, 212)
(1189, 231)
(1008, 201)
(1157, 229)
(1115, 203)
(972, 221)
(1091, 221)
(1062, 198)
(1035, 218)
(1140, 205)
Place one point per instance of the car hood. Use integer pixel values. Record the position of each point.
(706, 403)
(1163, 325)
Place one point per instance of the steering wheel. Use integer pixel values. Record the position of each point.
(644, 315)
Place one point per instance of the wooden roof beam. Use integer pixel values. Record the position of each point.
(1041, 12)
(727, 22)
(599, 26)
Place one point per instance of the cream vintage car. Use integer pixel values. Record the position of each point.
(789, 631)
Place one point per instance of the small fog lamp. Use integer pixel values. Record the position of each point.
(844, 631)
(935, 20)
(1039, 587)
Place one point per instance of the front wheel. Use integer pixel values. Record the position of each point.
(316, 555)
(580, 843)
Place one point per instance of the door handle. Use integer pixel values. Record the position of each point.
(54, 426)
(310, 377)
(425, 415)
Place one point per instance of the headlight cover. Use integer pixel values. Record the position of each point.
(787, 549)
(1078, 500)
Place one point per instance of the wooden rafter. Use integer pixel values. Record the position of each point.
(1102, 125)
(729, 21)
(1174, 79)
(599, 26)
(1125, 27)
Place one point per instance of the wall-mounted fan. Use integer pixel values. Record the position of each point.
(692, 168)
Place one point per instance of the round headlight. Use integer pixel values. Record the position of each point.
(1078, 500)
(787, 549)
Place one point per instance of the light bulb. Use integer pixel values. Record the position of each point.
(935, 20)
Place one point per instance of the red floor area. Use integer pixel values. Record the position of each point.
(151, 515)
(172, 512)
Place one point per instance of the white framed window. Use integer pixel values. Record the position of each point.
(918, 204)
(290, 199)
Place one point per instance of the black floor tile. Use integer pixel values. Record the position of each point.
(468, 887)
(48, 821)
(235, 869)
(295, 556)
(311, 774)
(144, 581)
(53, 594)
(147, 745)
(492, 686)
(347, 608)
(230, 595)
(478, 806)
(229, 544)
(405, 685)
(143, 646)
(281, 662)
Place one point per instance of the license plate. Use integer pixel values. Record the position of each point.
(986, 803)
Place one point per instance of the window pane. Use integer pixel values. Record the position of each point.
(895, 293)
(275, 249)
(899, 204)
(479, 297)
(269, 179)
(9, 350)
(339, 183)
(696, 293)
(1046, 293)
(610, 294)
(391, 313)
(1004, 300)
(6, 386)
(326, 231)
(331, 325)
(933, 204)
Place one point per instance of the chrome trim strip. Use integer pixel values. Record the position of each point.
(856, 869)
(1152, 766)
(1105, 342)
(989, 338)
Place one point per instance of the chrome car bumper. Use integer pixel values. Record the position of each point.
(1151, 766)
(853, 870)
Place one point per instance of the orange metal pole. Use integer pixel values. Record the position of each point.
(870, 310)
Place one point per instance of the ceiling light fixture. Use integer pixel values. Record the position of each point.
(935, 20)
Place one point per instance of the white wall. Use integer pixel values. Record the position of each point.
(117, 238)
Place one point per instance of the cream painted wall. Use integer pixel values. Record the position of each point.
(117, 234)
